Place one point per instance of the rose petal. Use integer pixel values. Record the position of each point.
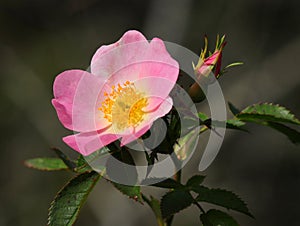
(76, 101)
(110, 59)
(87, 143)
(134, 54)
(155, 89)
(160, 63)
(64, 112)
(129, 73)
(162, 110)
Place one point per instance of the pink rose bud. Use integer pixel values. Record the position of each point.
(206, 65)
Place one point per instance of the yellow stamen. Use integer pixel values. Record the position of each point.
(123, 106)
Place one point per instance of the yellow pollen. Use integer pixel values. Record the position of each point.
(123, 106)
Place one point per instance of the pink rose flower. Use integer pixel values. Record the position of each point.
(125, 92)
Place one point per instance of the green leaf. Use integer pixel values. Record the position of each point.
(222, 198)
(65, 208)
(217, 218)
(133, 192)
(267, 112)
(175, 201)
(225, 69)
(46, 164)
(81, 161)
(234, 123)
(82, 166)
(195, 181)
(234, 64)
(202, 116)
(292, 134)
(163, 183)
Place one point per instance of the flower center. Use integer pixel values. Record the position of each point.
(123, 106)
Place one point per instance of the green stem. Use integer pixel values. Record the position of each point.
(169, 221)
(157, 214)
(199, 206)
(176, 177)
(145, 198)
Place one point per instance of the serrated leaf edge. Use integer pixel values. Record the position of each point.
(135, 198)
(281, 108)
(84, 200)
(161, 201)
(238, 197)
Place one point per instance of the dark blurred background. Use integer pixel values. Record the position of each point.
(39, 39)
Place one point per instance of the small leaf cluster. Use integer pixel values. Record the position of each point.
(65, 208)
(182, 196)
(193, 193)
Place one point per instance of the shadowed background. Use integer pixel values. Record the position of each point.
(40, 39)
